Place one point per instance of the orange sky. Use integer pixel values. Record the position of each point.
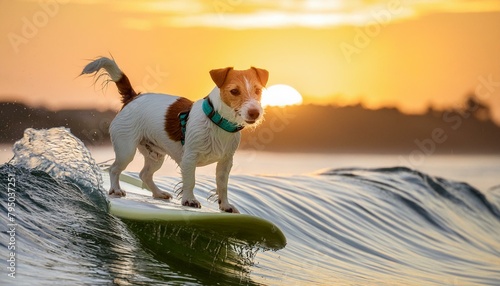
(382, 53)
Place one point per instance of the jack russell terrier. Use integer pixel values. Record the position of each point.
(192, 134)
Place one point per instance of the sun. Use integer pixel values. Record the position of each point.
(281, 95)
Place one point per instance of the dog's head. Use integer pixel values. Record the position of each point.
(241, 90)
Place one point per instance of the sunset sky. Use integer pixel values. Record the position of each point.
(408, 54)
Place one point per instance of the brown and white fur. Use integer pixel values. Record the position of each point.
(149, 122)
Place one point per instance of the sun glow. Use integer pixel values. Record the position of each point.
(281, 95)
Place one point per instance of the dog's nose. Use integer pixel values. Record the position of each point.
(253, 113)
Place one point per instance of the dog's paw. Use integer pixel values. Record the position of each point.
(194, 203)
(162, 195)
(229, 208)
(117, 193)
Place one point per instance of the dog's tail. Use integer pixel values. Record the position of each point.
(116, 75)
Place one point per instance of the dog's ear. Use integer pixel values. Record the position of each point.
(219, 75)
(262, 74)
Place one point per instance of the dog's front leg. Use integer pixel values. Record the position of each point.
(222, 178)
(188, 168)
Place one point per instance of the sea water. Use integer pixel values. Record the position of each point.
(348, 219)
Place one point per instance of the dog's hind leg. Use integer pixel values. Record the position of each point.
(124, 152)
(152, 163)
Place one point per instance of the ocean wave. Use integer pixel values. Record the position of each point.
(355, 226)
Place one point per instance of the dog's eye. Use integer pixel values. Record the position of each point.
(235, 91)
(258, 91)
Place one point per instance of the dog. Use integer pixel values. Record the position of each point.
(193, 134)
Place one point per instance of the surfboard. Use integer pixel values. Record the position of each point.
(138, 206)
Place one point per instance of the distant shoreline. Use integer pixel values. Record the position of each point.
(304, 129)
